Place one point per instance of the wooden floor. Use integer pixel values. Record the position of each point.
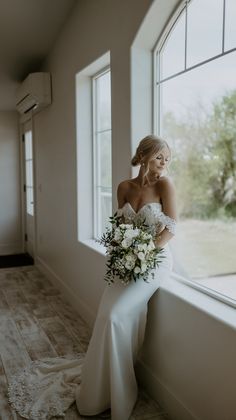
(36, 322)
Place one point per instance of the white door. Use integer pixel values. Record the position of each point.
(28, 164)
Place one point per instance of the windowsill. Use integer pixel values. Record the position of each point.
(95, 246)
(218, 306)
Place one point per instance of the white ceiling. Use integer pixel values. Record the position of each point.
(28, 30)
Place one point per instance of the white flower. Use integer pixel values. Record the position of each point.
(143, 267)
(141, 256)
(130, 257)
(137, 270)
(125, 226)
(129, 265)
(146, 235)
(151, 246)
(117, 235)
(126, 243)
(131, 233)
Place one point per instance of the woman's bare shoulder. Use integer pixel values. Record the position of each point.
(126, 185)
(165, 183)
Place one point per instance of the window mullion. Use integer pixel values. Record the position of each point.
(186, 36)
(223, 29)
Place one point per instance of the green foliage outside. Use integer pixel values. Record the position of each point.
(204, 159)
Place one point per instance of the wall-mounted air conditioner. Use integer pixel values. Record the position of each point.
(34, 93)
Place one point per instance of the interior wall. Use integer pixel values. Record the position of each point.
(91, 31)
(10, 199)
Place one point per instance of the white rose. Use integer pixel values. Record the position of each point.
(140, 247)
(129, 265)
(141, 256)
(131, 233)
(137, 270)
(143, 267)
(126, 243)
(130, 257)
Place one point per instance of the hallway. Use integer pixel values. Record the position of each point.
(35, 322)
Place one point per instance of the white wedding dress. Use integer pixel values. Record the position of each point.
(103, 378)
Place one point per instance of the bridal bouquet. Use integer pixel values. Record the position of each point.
(131, 251)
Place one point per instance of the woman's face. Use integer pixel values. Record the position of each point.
(160, 162)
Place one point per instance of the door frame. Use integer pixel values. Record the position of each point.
(23, 120)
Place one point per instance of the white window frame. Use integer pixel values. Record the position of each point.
(156, 114)
(84, 152)
(96, 161)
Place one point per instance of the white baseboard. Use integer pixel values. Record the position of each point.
(10, 249)
(71, 296)
(160, 393)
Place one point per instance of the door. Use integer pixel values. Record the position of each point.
(28, 164)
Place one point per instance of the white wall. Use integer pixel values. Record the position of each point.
(10, 204)
(186, 349)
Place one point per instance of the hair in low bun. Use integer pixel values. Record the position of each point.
(148, 147)
(135, 160)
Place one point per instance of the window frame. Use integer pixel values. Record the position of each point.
(95, 154)
(156, 112)
(84, 152)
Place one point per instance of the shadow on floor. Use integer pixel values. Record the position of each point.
(15, 260)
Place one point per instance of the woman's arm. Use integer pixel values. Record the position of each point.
(169, 207)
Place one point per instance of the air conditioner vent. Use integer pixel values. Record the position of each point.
(34, 93)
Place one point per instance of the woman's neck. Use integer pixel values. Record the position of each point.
(150, 179)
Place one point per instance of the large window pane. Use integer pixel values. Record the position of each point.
(204, 31)
(28, 145)
(103, 102)
(198, 119)
(29, 172)
(173, 52)
(29, 200)
(102, 153)
(230, 19)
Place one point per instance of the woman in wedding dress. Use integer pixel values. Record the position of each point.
(105, 378)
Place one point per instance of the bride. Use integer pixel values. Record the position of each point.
(105, 378)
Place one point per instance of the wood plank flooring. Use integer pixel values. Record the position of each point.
(36, 322)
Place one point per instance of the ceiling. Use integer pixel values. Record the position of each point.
(28, 30)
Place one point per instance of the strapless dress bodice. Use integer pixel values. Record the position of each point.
(149, 213)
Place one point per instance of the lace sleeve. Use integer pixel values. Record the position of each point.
(119, 212)
(170, 224)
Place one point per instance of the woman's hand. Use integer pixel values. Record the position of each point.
(162, 238)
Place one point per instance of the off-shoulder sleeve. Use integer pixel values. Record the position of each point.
(119, 212)
(170, 224)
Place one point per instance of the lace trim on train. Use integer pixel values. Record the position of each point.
(46, 388)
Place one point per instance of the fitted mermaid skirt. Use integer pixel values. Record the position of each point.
(108, 376)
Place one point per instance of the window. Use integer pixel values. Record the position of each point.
(29, 173)
(102, 151)
(195, 97)
(93, 149)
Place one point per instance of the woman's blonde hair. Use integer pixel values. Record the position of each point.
(148, 147)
